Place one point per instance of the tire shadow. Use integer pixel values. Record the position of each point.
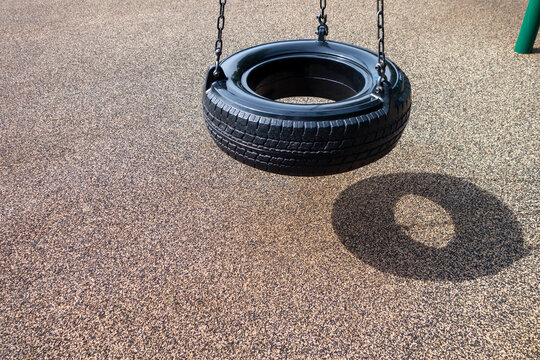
(487, 237)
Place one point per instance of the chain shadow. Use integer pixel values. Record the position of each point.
(487, 236)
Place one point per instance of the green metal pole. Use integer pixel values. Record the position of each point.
(529, 28)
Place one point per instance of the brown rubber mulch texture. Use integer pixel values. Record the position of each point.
(126, 233)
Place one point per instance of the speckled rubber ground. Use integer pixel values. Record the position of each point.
(126, 233)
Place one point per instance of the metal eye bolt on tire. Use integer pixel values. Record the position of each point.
(371, 101)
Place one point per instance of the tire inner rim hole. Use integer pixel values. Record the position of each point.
(305, 80)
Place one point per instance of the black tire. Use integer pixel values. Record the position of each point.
(361, 127)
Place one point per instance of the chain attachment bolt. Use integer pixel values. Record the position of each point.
(322, 28)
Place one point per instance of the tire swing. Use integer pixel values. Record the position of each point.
(372, 101)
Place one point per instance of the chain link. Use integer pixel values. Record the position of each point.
(322, 29)
(219, 41)
(381, 65)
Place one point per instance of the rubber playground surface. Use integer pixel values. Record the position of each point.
(126, 233)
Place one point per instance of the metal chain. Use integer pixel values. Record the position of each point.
(322, 29)
(381, 65)
(219, 41)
